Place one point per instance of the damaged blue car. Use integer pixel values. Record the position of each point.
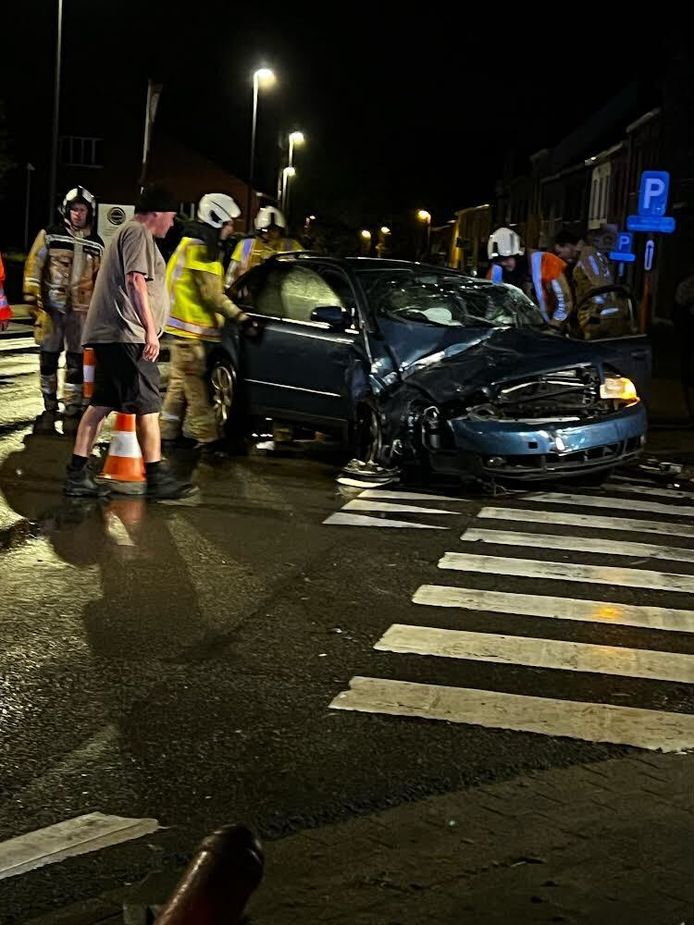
(425, 367)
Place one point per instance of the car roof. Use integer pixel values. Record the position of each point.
(371, 263)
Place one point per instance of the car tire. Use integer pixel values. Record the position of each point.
(225, 399)
(366, 443)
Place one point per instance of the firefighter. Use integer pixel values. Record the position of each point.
(195, 281)
(539, 274)
(271, 238)
(59, 277)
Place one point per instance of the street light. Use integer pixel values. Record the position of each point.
(56, 114)
(263, 77)
(365, 235)
(425, 218)
(296, 139)
(287, 175)
(385, 229)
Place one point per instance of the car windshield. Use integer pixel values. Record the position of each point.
(447, 299)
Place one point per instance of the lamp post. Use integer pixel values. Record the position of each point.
(287, 175)
(56, 114)
(365, 237)
(263, 77)
(425, 217)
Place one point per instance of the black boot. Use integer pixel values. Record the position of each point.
(162, 484)
(80, 483)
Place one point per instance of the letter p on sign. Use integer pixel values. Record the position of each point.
(653, 194)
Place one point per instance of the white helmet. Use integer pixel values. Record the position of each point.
(269, 215)
(504, 242)
(78, 194)
(217, 208)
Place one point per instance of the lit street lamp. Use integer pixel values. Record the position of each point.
(263, 77)
(56, 114)
(383, 234)
(365, 237)
(296, 139)
(425, 217)
(287, 175)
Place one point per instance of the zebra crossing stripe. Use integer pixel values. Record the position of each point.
(585, 520)
(592, 722)
(388, 507)
(614, 504)
(68, 839)
(539, 653)
(568, 571)
(362, 520)
(626, 485)
(408, 496)
(579, 544)
(556, 608)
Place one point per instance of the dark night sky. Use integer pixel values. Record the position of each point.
(401, 111)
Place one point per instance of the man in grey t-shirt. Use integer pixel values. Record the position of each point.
(125, 320)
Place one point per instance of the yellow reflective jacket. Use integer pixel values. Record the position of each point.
(196, 289)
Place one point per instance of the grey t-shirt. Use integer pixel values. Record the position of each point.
(112, 318)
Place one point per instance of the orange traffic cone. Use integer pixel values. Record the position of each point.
(88, 367)
(124, 468)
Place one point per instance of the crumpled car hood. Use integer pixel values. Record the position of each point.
(499, 355)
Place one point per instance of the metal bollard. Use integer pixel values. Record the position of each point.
(218, 882)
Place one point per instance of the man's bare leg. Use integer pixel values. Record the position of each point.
(89, 428)
(149, 435)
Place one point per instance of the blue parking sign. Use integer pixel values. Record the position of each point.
(653, 192)
(623, 251)
(653, 196)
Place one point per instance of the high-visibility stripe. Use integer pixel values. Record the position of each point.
(199, 329)
(536, 271)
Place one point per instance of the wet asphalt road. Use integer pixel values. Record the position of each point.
(177, 661)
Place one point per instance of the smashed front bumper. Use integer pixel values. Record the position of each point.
(526, 451)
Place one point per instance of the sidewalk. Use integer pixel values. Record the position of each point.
(597, 844)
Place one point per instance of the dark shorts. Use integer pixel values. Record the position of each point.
(124, 381)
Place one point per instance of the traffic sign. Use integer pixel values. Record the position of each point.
(648, 255)
(653, 196)
(623, 252)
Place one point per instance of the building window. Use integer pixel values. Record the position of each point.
(600, 195)
(80, 151)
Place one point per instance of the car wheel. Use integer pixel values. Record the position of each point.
(367, 442)
(223, 393)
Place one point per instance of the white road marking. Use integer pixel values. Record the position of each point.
(579, 544)
(568, 571)
(68, 839)
(389, 508)
(117, 530)
(586, 520)
(615, 504)
(363, 520)
(539, 653)
(673, 493)
(409, 496)
(557, 608)
(592, 722)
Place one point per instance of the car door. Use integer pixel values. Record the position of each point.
(299, 369)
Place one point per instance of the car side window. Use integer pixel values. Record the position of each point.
(302, 290)
(244, 292)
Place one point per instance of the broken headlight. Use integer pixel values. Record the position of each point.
(618, 388)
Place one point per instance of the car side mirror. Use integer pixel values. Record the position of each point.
(336, 316)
